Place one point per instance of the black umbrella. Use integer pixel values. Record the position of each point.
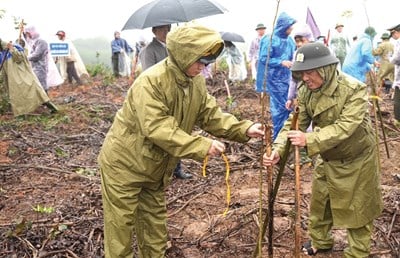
(163, 12)
(231, 36)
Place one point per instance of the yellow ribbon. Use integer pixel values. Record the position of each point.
(228, 188)
(375, 97)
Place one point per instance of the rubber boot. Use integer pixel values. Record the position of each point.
(51, 106)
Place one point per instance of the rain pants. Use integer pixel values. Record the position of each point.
(359, 59)
(282, 48)
(346, 183)
(21, 85)
(150, 133)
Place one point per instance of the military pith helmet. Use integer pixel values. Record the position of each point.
(370, 31)
(385, 36)
(312, 56)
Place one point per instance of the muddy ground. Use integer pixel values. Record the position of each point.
(50, 199)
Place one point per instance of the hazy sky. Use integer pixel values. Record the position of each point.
(88, 19)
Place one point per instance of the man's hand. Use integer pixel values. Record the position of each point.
(298, 138)
(256, 130)
(10, 45)
(216, 148)
(272, 159)
(287, 64)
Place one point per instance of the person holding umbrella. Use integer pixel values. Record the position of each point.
(152, 131)
(153, 53)
(235, 61)
(156, 50)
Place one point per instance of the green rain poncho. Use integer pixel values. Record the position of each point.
(150, 133)
(20, 83)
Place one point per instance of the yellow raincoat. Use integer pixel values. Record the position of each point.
(150, 133)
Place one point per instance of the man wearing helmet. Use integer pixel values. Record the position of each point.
(345, 188)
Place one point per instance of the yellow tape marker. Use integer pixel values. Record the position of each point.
(228, 188)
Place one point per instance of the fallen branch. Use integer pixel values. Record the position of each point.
(42, 168)
(183, 206)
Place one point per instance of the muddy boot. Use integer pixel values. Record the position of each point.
(179, 173)
(51, 106)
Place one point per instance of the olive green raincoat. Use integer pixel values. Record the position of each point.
(21, 84)
(344, 140)
(150, 133)
(386, 70)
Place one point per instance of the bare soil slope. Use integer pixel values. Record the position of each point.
(50, 199)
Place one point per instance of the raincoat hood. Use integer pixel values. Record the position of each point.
(187, 44)
(283, 23)
(32, 30)
(303, 30)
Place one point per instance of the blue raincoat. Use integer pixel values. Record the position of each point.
(278, 77)
(359, 59)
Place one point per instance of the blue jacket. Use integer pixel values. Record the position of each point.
(119, 43)
(282, 48)
(278, 76)
(359, 59)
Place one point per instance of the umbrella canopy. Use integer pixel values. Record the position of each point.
(231, 36)
(163, 12)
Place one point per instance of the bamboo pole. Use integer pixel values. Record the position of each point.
(297, 233)
(267, 121)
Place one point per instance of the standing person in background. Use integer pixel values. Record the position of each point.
(255, 48)
(156, 50)
(149, 135)
(235, 61)
(137, 66)
(68, 64)
(150, 55)
(346, 189)
(359, 60)
(385, 68)
(395, 59)
(21, 87)
(120, 50)
(302, 35)
(339, 43)
(280, 60)
(38, 54)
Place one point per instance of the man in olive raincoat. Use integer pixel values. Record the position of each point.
(152, 131)
(21, 86)
(346, 184)
(384, 51)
